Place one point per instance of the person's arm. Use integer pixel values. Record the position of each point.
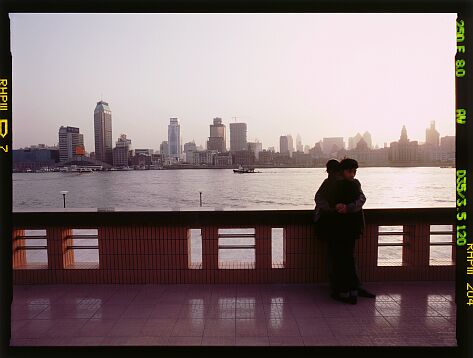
(321, 203)
(357, 205)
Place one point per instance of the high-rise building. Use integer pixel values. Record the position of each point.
(299, 147)
(432, 136)
(103, 132)
(164, 151)
(174, 140)
(286, 145)
(238, 137)
(448, 143)
(283, 145)
(256, 147)
(353, 141)
(404, 151)
(367, 138)
(290, 144)
(332, 145)
(71, 143)
(189, 149)
(217, 140)
(121, 152)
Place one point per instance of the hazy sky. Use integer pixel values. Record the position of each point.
(320, 75)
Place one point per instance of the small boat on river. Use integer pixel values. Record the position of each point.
(242, 170)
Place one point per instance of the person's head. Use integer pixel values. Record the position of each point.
(348, 168)
(333, 167)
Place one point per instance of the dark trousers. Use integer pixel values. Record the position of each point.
(341, 263)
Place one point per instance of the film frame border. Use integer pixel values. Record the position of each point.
(463, 158)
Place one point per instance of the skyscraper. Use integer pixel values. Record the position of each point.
(299, 146)
(238, 137)
(432, 136)
(121, 152)
(217, 139)
(71, 143)
(283, 145)
(174, 140)
(290, 144)
(189, 149)
(256, 147)
(103, 132)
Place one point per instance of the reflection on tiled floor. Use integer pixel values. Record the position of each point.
(403, 314)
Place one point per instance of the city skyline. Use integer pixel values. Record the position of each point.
(342, 143)
(325, 90)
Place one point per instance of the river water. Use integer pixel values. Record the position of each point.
(270, 189)
(275, 188)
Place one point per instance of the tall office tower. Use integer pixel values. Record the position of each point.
(71, 143)
(238, 137)
(290, 144)
(217, 140)
(121, 152)
(283, 145)
(174, 140)
(299, 146)
(432, 136)
(103, 132)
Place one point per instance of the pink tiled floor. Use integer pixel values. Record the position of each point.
(404, 313)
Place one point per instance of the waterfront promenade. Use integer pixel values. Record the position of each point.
(146, 286)
(418, 313)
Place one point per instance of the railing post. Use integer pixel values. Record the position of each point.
(366, 253)
(19, 256)
(263, 263)
(417, 249)
(210, 252)
(58, 255)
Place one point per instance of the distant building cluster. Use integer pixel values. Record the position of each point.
(70, 149)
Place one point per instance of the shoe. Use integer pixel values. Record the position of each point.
(363, 293)
(353, 300)
(350, 299)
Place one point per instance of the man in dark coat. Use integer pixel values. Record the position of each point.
(340, 221)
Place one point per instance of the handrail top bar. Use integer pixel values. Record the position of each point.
(221, 219)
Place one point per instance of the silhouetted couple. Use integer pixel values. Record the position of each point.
(339, 220)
